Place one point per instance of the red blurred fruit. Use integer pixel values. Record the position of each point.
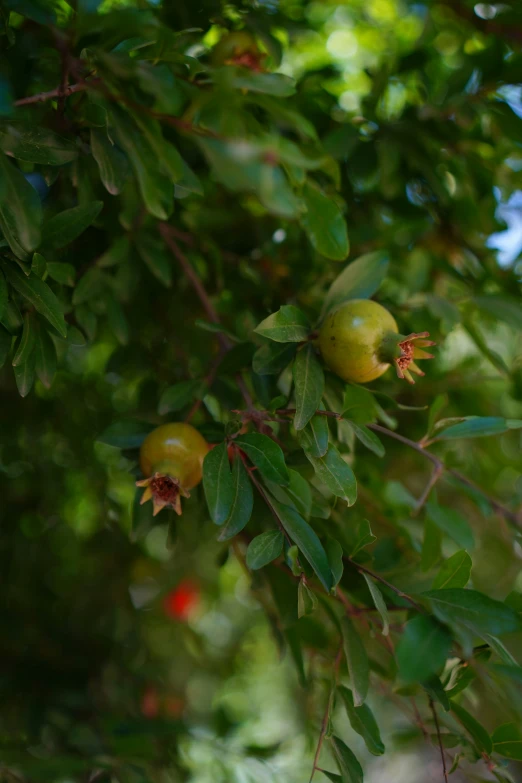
(150, 703)
(181, 602)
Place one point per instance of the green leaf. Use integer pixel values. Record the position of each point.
(24, 376)
(218, 484)
(176, 397)
(438, 404)
(126, 434)
(20, 211)
(433, 687)
(306, 600)
(277, 84)
(455, 571)
(38, 265)
(266, 455)
(423, 649)
(313, 439)
(63, 228)
(272, 358)
(324, 224)
(359, 280)
(27, 341)
(92, 285)
(4, 295)
(474, 610)
(39, 295)
(365, 537)
(500, 649)
(156, 188)
(507, 741)
(5, 345)
(306, 539)
(476, 731)
(117, 320)
(242, 502)
(336, 474)
(75, 337)
(431, 545)
(309, 385)
(152, 251)
(367, 438)
(505, 308)
(334, 553)
(113, 165)
(380, 604)
(478, 427)
(35, 144)
(298, 490)
(452, 523)
(264, 548)
(357, 661)
(62, 273)
(363, 722)
(45, 357)
(288, 325)
(349, 767)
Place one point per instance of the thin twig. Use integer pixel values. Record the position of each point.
(383, 581)
(407, 442)
(324, 723)
(436, 473)
(58, 92)
(439, 737)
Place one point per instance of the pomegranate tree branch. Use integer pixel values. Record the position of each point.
(63, 91)
(363, 570)
(324, 724)
(439, 737)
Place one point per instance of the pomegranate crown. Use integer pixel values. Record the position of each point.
(164, 491)
(412, 348)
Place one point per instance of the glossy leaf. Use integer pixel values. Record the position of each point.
(35, 144)
(363, 722)
(266, 455)
(45, 357)
(334, 553)
(306, 539)
(507, 741)
(452, 523)
(357, 661)
(349, 767)
(359, 280)
(364, 538)
(24, 376)
(367, 438)
(475, 729)
(380, 604)
(125, 434)
(65, 227)
(479, 427)
(455, 571)
(218, 483)
(474, 610)
(176, 397)
(313, 438)
(287, 325)
(336, 474)
(242, 502)
(62, 273)
(272, 358)
(112, 163)
(309, 385)
(264, 548)
(423, 649)
(27, 341)
(324, 223)
(20, 211)
(39, 295)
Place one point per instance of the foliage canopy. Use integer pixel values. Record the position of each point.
(175, 225)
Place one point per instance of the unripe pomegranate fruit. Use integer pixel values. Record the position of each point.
(171, 457)
(240, 49)
(360, 340)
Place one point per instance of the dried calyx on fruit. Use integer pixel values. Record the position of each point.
(239, 49)
(360, 340)
(171, 458)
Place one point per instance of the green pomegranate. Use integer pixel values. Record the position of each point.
(171, 457)
(360, 340)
